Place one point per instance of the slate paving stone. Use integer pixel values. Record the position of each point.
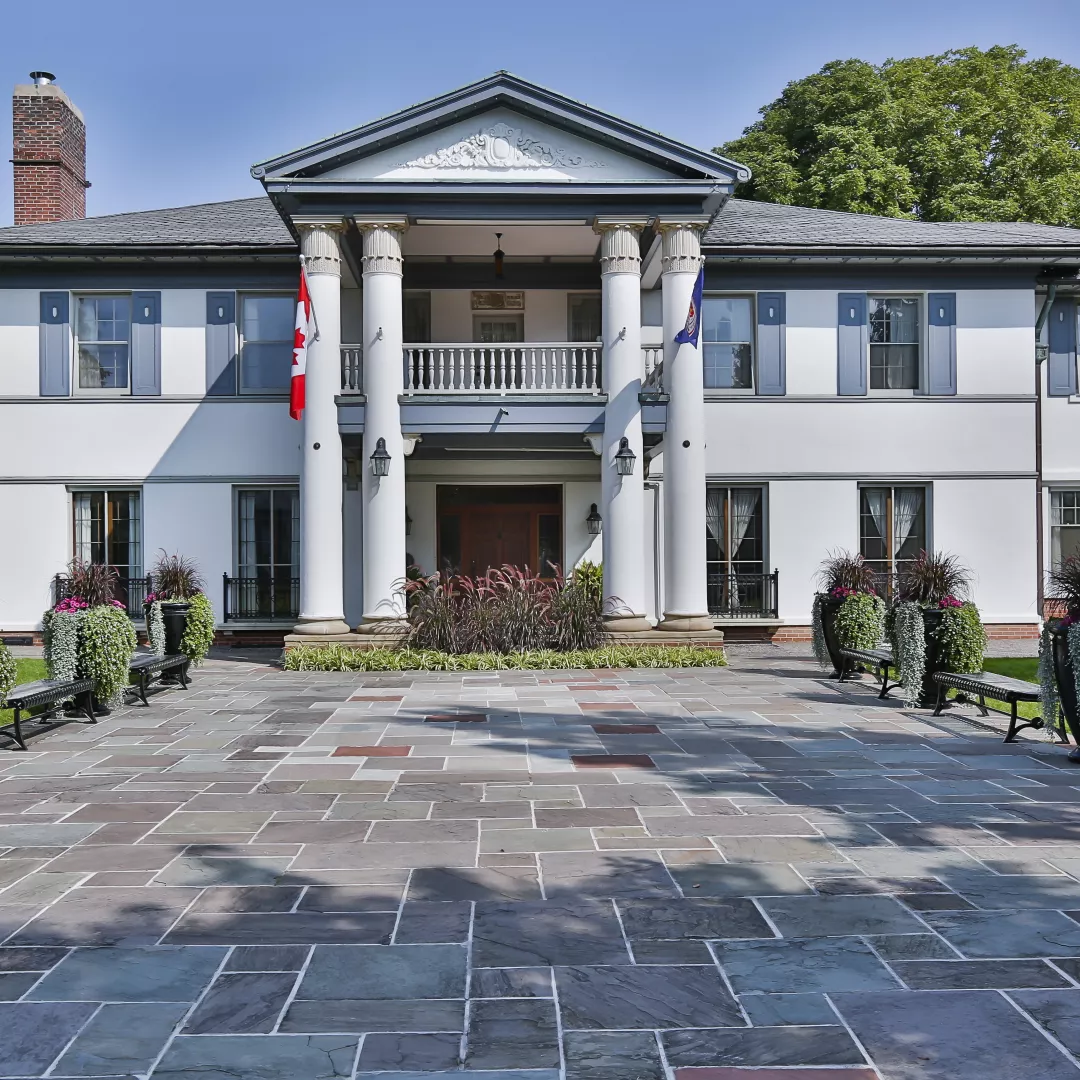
(241, 1003)
(267, 958)
(351, 898)
(605, 874)
(365, 1015)
(816, 965)
(121, 1038)
(695, 918)
(770, 1010)
(510, 982)
(431, 1053)
(30, 959)
(381, 972)
(685, 951)
(913, 1036)
(1056, 1010)
(826, 916)
(468, 883)
(739, 880)
(762, 1046)
(298, 928)
(990, 934)
(35, 1032)
(504, 1034)
(612, 1055)
(258, 1057)
(547, 933)
(644, 997)
(912, 947)
(160, 973)
(427, 923)
(13, 984)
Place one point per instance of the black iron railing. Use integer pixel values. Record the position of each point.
(130, 591)
(743, 596)
(263, 598)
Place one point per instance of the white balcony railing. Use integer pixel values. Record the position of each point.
(526, 368)
(653, 356)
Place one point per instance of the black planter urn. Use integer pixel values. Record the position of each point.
(174, 616)
(931, 622)
(829, 607)
(1066, 679)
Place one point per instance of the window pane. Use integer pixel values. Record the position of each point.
(746, 532)
(89, 526)
(450, 543)
(585, 315)
(727, 319)
(550, 543)
(266, 366)
(268, 318)
(1064, 544)
(894, 367)
(715, 524)
(417, 317)
(103, 367)
(282, 534)
(894, 321)
(874, 527)
(121, 546)
(103, 318)
(727, 367)
(909, 523)
(1065, 507)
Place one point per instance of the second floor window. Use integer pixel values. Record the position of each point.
(894, 343)
(727, 342)
(583, 317)
(892, 526)
(266, 342)
(103, 342)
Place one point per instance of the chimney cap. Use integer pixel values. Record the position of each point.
(42, 78)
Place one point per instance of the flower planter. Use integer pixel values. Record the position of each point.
(931, 621)
(829, 607)
(1065, 678)
(174, 616)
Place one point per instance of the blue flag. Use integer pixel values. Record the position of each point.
(688, 335)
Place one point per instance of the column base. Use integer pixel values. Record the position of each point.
(626, 624)
(393, 630)
(682, 624)
(320, 627)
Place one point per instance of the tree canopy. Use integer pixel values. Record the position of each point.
(969, 135)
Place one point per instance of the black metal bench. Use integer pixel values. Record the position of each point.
(48, 692)
(144, 666)
(878, 659)
(984, 684)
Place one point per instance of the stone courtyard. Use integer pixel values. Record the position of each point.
(750, 873)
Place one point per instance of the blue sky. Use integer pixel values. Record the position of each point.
(181, 98)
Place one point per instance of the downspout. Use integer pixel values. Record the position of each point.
(1040, 355)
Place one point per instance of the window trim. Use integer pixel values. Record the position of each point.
(241, 296)
(733, 391)
(1058, 490)
(77, 389)
(927, 489)
(923, 344)
(237, 490)
(730, 485)
(107, 490)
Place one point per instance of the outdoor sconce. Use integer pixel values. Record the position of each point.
(498, 255)
(380, 459)
(594, 522)
(625, 458)
(408, 523)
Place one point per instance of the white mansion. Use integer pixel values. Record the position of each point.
(498, 277)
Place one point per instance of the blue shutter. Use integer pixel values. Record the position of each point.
(941, 344)
(1061, 367)
(54, 345)
(145, 344)
(771, 345)
(851, 344)
(221, 344)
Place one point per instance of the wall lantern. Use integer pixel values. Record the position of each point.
(408, 523)
(625, 458)
(594, 522)
(380, 459)
(499, 253)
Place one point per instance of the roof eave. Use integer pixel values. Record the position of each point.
(937, 253)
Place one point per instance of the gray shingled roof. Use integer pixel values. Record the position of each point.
(746, 224)
(237, 223)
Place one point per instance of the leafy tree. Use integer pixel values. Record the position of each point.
(969, 135)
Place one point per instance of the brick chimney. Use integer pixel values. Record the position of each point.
(49, 153)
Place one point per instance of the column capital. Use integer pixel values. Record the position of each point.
(681, 244)
(620, 248)
(320, 244)
(382, 244)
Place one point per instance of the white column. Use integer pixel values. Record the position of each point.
(623, 497)
(686, 605)
(384, 496)
(322, 593)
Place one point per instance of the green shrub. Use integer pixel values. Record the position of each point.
(107, 642)
(199, 629)
(9, 671)
(336, 657)
(860, 621)
(961, 640)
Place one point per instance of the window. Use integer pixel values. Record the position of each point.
(1064, 526)
(727, 335)
(894, 343)
(583, 317)
(266, 342)
(268, 552)
(416, 317)
(498, 329)
(108, 530)
(892, 526)
(735, 550)
(103, 342)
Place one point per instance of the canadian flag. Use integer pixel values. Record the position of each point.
(306, 330)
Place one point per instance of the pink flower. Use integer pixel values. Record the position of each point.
(842, 593)
(950, 602)
(116, 603)
(72, 603)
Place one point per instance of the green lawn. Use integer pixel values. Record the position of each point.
(29, 668)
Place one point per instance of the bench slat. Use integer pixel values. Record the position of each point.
(45, 690)
(989, 684)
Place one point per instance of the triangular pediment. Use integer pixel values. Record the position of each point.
(501, 128)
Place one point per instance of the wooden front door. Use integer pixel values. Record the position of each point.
(493, 537)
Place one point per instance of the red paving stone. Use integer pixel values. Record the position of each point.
(455, 718)
(612, 761)
(371, 751)
(724, 1072)
(625, 729)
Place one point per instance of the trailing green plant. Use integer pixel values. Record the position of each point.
(176, 577)
(908, 635)
(817, 632)
(961, 639)
(590, 577)
(9, 671)
(62, 633)
(93, 583)
(847, 570)
(198, 629)
(336, 657)
(932, 577)
(1072, 638)
(107, 642)
(1049, 698)
(860, 621)
(155, 627)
